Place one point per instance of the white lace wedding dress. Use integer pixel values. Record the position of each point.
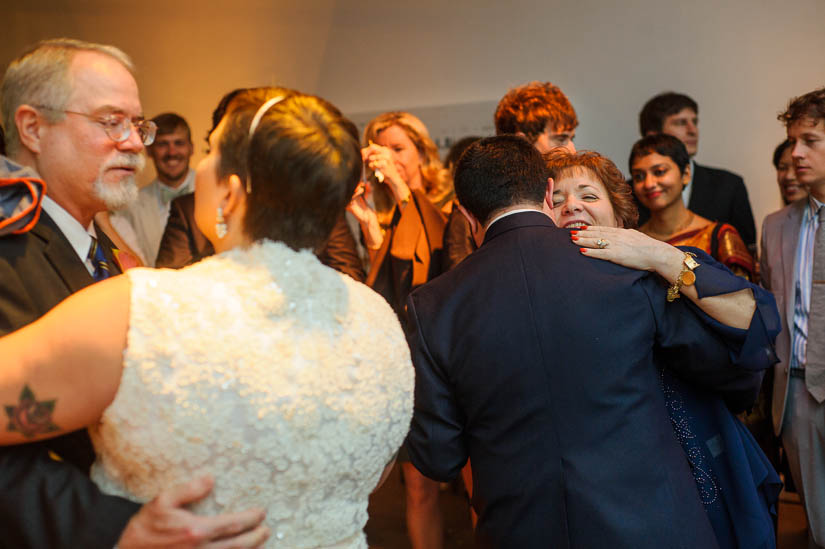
(288, 382)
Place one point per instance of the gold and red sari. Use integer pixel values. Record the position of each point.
(722, 242)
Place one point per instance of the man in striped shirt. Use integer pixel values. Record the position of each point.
(793, 267)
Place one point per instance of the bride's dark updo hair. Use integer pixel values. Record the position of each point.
(300, 165)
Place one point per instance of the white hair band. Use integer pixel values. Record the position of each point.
(261, 112)
(254, 126)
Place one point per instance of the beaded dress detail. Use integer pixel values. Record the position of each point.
(291, 384)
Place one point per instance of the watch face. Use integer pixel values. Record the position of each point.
(688, 278)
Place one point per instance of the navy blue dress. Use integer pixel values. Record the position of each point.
(737, 484)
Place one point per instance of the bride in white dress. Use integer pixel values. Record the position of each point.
(287, 382)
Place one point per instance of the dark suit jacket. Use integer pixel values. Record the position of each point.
(458, 239)
(183, 243)
(537, 364)
(719, 195)
(45, 503)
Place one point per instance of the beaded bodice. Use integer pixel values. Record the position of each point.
(289, 383)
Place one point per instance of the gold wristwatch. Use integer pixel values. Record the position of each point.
(686, 278)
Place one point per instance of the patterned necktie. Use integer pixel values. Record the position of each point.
(99, 262)
(815, 363)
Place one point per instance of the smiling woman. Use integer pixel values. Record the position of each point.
(660, 169)
(591, 197)
(589, 190)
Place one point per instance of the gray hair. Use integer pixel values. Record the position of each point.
(40, 76)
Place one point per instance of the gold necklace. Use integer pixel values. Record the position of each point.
(678, 229)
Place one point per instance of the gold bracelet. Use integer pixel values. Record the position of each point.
(686, 278)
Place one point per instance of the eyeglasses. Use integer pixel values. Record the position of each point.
(118, 126)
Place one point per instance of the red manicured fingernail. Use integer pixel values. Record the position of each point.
(574, 237)
(574, 232)
(583, 250)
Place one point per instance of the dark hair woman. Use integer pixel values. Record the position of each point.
(660, 169)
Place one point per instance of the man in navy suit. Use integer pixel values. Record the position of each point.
(718, 195)
(536, 362)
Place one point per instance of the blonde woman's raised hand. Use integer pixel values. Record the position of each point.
(379, 159)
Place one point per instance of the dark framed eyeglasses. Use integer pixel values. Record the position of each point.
(117, 126)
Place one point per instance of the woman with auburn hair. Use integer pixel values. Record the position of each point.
(736, 482)
(660, 170)
(402, 220)
(249, 365)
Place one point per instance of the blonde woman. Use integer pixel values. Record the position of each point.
(402, 219)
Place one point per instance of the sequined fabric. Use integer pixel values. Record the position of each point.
(700, 463)
(288, 382)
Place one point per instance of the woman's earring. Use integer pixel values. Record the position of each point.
(220, 224)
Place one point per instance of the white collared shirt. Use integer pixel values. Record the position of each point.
(689, 187)
(803, 282)
(78, 237)
(511, 212)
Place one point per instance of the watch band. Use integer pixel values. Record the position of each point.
(685, 278)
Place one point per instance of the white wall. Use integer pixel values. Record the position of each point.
(188, 53)
(740, 59)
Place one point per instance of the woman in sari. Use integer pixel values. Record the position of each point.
(660, 169)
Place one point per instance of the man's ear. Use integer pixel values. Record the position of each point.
(548, 198)
(29, 125)
(476, 228)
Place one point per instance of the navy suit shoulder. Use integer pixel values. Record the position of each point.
(45, 503)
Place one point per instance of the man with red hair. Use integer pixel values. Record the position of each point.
(540, 112)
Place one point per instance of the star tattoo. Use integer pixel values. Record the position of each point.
(31, 417)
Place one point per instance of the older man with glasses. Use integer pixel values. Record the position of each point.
(72, 114)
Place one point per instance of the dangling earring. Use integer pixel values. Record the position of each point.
(220, 224)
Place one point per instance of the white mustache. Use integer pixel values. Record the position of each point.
(125, 160)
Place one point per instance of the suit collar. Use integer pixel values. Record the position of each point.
(77, 235)
(60, 254)
(532, 218)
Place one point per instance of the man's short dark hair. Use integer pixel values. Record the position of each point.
(168, 122)
(779, 151)
(497, 172)
(458, 148)
(652, 117)
(811, 105)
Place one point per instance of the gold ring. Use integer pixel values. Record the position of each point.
(601, 243)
